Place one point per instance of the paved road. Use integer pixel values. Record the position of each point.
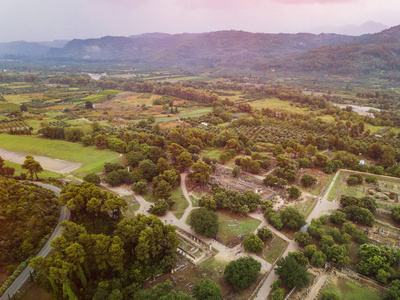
(15, 286)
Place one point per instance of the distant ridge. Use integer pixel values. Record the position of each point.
(213, 49)
(371, 53)
(369, 27)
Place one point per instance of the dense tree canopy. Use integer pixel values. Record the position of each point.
(27, 213)
(291, 272)
(242, 272)
(204, 221)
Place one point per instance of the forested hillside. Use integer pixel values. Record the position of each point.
(27, 214)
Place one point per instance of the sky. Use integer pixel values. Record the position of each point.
(46, 20)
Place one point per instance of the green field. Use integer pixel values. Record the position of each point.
(91, 158)
(180, 205)
(274, 250)
(100, 96)
(42, 175)
(230, 234)
(275, 103)
(345, 289)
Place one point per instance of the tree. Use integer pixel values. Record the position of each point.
(396, 213)
(140, 187)
(89, 105)
(93, 178)
(73, 134)
(162, 165)
(204, 221)
(329, 295)
(184, 161)
(270, 180)
(160, 208)
(299, 257)
(293, 192)
(291, 272)
(320, 160)
(338, 217)
(264, 233)
(207, 290)
(393, 293)
(292, 218)
(338, 255)
(278, 294)
(162, 291)
(236, 171)
(241, 273)
(309, 250)
(318, 259)
(253, 243)
(308, 180)
(148, 168)
(302, 238)
(201, 172)
(32, 166)
(163, 189)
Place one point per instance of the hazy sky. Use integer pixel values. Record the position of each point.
(44, 20)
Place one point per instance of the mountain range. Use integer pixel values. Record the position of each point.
(303, 52)
(369, 27)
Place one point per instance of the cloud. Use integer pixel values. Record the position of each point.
(317, 1)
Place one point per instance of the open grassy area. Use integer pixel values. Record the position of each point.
(306, 206)
(101, 96)
(42, 175)
(212, 153)
(275, 248)
(275, 103)
(229, 234)
(345, 289)
(91, 158)
(180, 205)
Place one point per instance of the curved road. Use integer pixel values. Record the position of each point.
(20, 280)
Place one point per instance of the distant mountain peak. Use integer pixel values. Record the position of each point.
(154, 35)
(368, 27)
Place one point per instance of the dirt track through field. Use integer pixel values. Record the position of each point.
(51, 164)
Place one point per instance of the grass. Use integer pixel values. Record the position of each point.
(230, 234)
(42, 175)
(195, 201)
(275, 103)
(180, 205)
(213, 264)
(345, 289)
(101, 96)
(191, 78)
(91, 158)
(211, 153)
(274, 250)
(306, 206)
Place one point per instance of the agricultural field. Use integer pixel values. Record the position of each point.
(382, 190)
(275, 103)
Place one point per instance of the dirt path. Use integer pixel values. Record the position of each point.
(323, 204)
(315, 290)
(51, 164)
